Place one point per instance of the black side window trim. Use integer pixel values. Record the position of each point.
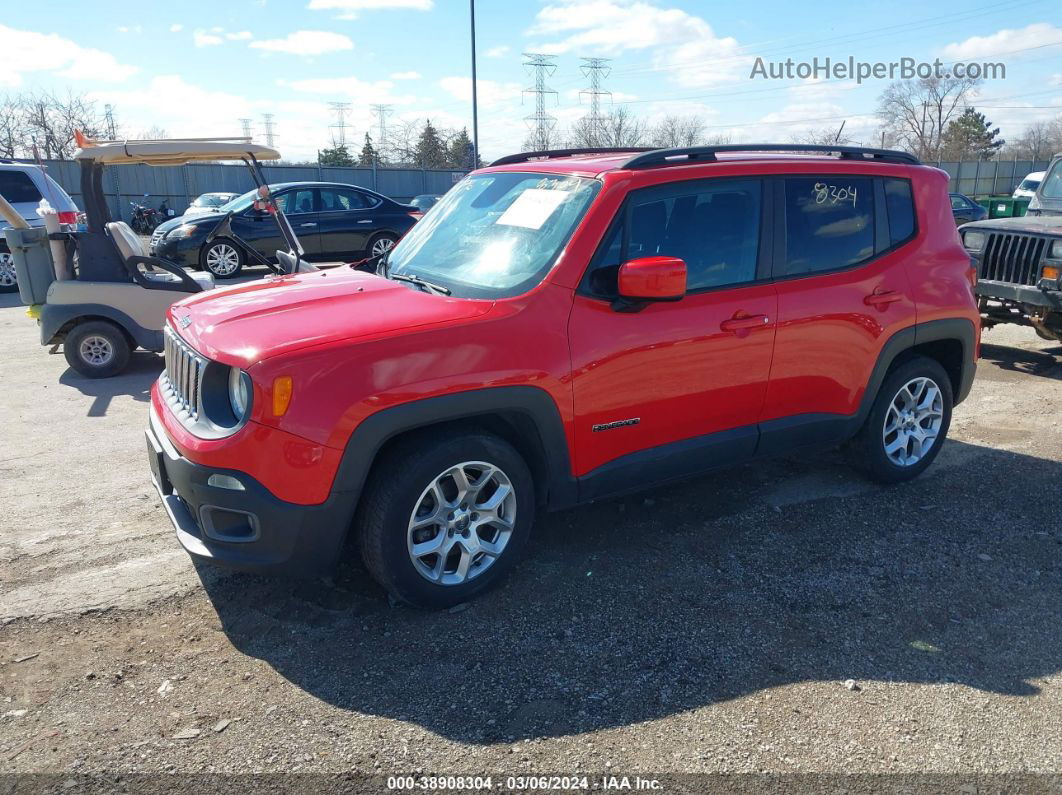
(764, 254)
(882, 234)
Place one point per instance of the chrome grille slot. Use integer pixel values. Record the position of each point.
(1013, 258)
(183, 375)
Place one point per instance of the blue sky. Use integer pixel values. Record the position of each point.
(196, 68)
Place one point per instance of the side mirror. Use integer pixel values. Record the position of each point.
(652, 279)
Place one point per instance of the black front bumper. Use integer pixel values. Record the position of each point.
(1034, 296)
(183, 251)
(248, 529)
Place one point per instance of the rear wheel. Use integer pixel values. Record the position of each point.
(445, 516)
(908, 422)
(381, 244)
(8, 280)
(97, 349)
(223, 258)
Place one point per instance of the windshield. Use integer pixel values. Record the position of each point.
(211, 200)
(1052, 187)
(1029, 184)
(494, 235)
(240, 203)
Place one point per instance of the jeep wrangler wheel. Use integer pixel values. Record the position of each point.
(908, 421)
(97, 349)
(445, 516)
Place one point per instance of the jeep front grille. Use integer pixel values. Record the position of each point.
(183, 376)
(1012, 258)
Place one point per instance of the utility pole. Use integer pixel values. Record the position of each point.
(108, 119)
(475, 105)
(381, 112)
(340, 109)
(246, 124)
(596, 69)
(540, 122)
(270, 135)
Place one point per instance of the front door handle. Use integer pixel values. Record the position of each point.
(883, 298)
(365, 221)
(744, 322)
(308, 223)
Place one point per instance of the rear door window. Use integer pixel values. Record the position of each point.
(829, 223)
(16, 187)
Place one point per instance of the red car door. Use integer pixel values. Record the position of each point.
(842, 292)
(692, 374)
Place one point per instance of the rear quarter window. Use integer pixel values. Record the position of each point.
(900, 207)
(16, 186)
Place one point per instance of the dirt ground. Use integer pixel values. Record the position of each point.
(784, 617)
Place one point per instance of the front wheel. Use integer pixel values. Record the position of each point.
(908, 422)
(97, 349)
(8, 279)
(445, 516)
(223, 258)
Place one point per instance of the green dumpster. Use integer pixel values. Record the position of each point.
(1001, 207)
(1021, 206)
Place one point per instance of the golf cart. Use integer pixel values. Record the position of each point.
(98, 292)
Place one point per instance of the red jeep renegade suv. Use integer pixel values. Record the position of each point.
(561, 327)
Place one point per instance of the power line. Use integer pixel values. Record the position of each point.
(596, 69)
(340, 109)
(246, 125)
(381, 112)
(267, 122)
(540, 122)
(108, 119)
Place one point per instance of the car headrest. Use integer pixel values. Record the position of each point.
(125, 239)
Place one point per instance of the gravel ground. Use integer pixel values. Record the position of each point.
(787, 617)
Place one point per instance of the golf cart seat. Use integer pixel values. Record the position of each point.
(157, 272)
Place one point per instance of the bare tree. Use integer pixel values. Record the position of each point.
(618, 128)
(43, 124)
(674, 130)
(153, 133)
(1039, 141)
(917, 112)
(824, 136)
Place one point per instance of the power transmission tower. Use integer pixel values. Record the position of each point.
(381, 112)
(596, 69)
(246, 124)
(270, 135)
(540, 123)
(340, 109)
(108, 120)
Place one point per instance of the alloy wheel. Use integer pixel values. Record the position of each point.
(7, 270)
(913, 421)
(96, 350)
(461, 523)
(382, 246)
(222, 259)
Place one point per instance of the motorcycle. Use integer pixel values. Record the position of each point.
(145, 219)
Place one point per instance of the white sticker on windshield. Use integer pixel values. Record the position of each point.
(533, 208)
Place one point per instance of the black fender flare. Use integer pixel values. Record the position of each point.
(54, 316)
(532, 403)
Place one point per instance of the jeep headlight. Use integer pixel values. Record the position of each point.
(1056, 250)
(239, 392)
(974, 240)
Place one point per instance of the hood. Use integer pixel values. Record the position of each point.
(248, 323)
(198, 212)
(167, 226)
(1029, 224)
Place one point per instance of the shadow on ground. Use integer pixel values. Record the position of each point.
(631, 610)
(1046, 363)
(135, 381)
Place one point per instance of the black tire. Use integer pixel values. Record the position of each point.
(869, 447)
(216, 244)
(379, 238)
(89, 359)
(8, 279)
(395, 490)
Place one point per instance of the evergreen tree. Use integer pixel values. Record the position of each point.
(461, 150)
(971, 135)
(431, 151)
(368, 155)
(336, 156)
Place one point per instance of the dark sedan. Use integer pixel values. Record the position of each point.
(333, 222)
(966, 209)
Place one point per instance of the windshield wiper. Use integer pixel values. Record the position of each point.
(422, 283)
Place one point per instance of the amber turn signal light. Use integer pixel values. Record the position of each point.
(281, 394)
(1052, 272)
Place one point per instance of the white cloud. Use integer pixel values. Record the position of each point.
(176, 27)
(488, 92)
(306, 42)
(357, 91)
(242, 35)
(1004, 41)
(369, 5)
(683, 45)
(497, 52)
(411, 75)
(28, 51)
(137, 29)
(204, 39)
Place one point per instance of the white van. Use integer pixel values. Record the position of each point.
(1028, 186)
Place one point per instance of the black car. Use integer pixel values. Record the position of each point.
(425, 201)
(333, 222)
(966, 209)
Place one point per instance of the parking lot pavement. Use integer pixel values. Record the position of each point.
(708, 626)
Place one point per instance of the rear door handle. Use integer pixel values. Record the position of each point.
(883, 299)
(309, 223)
(746, 322)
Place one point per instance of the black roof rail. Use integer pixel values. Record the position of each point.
(523, 157)
(684, 155)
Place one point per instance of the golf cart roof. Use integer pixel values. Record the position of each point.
(171, 151)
